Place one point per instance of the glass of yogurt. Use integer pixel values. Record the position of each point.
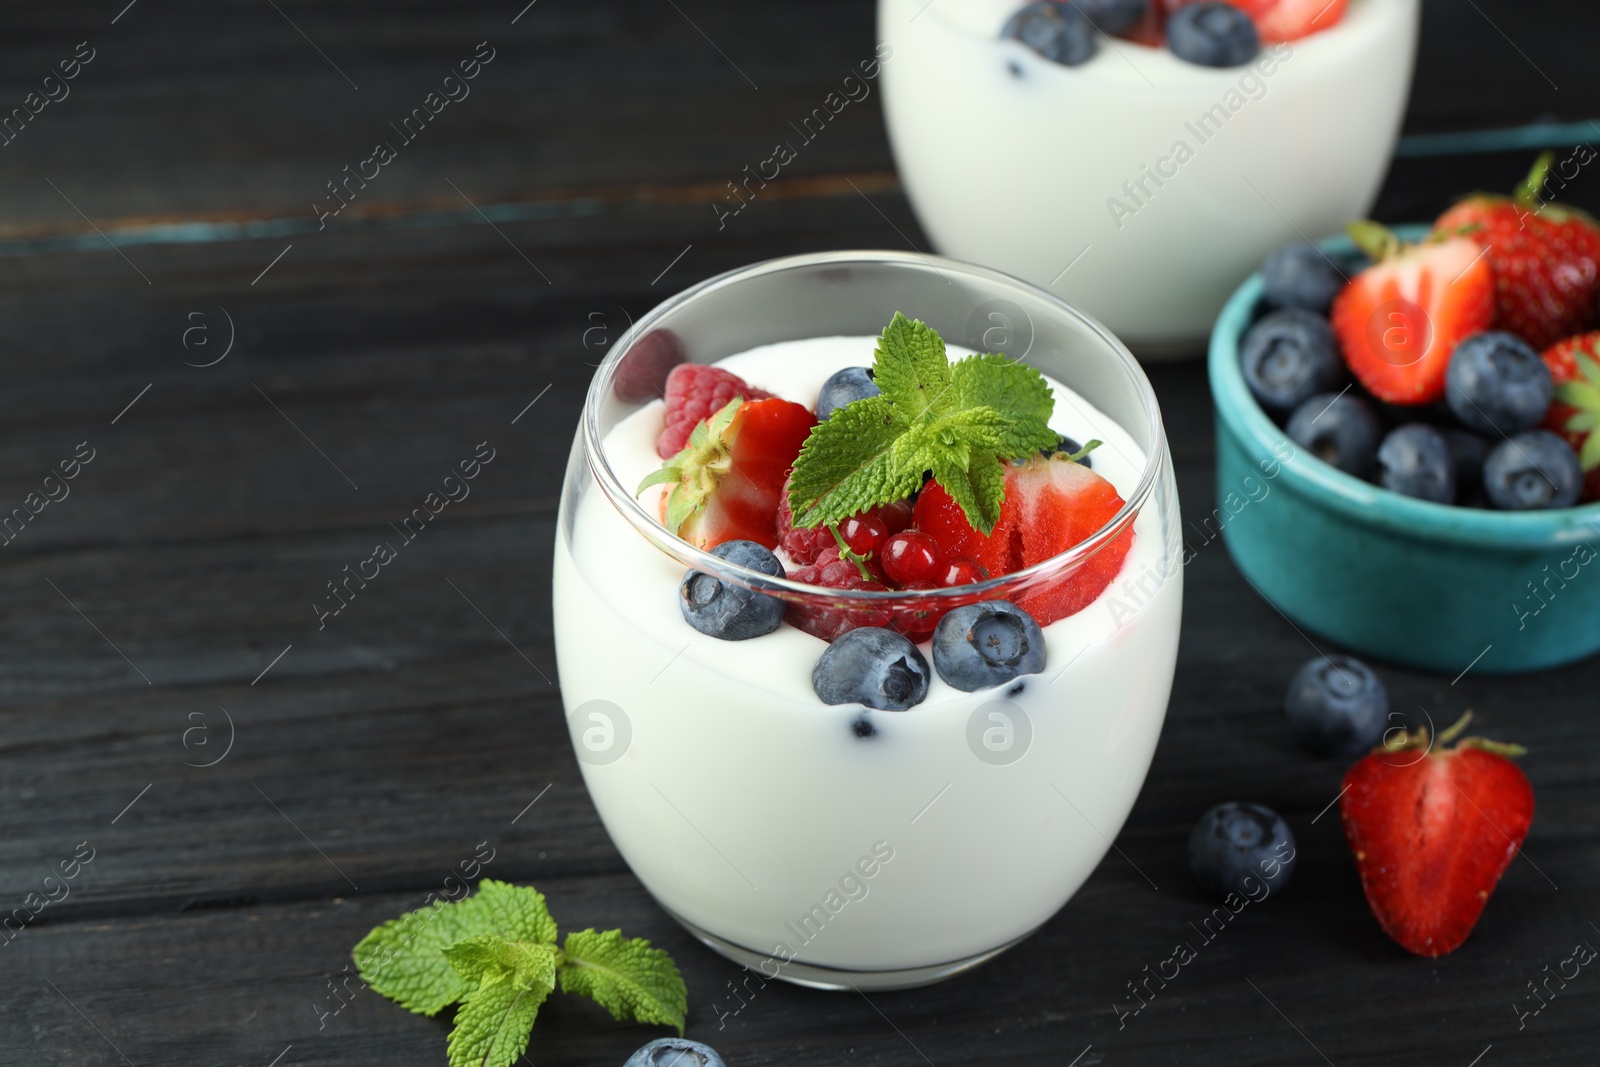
(1137, 186)
(840, 846)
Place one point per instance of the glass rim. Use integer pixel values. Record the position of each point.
(699, 559)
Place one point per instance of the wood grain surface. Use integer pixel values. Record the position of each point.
(259, 792)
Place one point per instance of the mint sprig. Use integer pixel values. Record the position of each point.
(495, 954)
(963, 421)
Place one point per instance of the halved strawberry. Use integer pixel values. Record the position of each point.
(1433, 829)
(1051, 504)
(1399, 320)
(1283, 20)
(1545, 258)
(728, 480)
(1575, 368)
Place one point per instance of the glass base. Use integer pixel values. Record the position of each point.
(838, 978)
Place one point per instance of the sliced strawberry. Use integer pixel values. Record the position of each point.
(1545, 258)
(1398, 321)
(728, 480)
(1290, 20)
(1151, 30)
(1281, 20)
(1051, 504)
(693, 392)
(1433, 829)
(1578, 422)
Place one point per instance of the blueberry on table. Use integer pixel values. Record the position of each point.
(1057, 31)
(1213, 34)
(978, 646)
(1337, 706)
(1533, 471)
(1288, 356)
(1114, 16)
(727, 611)
(873, 666)
(1497, 384)
(675, 1052)
(1243, 849)
(1415, 460)
(1301, 276)
(1340, 429)
(845, 387)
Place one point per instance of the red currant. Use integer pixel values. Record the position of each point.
(911, 557)
(864, 534)
(920, 619)
(962, 571)
(896, 516)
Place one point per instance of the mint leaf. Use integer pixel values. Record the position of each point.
(961, 421)
(626, 976)
(404, 959)
(1000, 382)
(848, 464)
(496, 1019)
(911, 368)
(978, 485)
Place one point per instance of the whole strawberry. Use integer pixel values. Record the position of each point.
(1575, 413)
(1545, 258)
(1433, 828)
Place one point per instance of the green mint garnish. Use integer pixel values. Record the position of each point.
(963, 421)
(495, 953)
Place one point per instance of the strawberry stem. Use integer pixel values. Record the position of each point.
(846, 552)
(1376, 241)
(1455, 731)
(1527, 195)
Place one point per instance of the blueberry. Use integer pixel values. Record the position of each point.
(1415, 460)
(873, 666)
(1497, 384)
(1057, 31)
(843, 387)
(1068, 446)
(1114, 16)
(728, 611)
(1532, 471)
(1337, 706)
(987, 644)
(1470, 451)
(1238, 848)
(1340, 429)
(675, 1052)
(1213, 34)
(1301, 276)
(1288, 356)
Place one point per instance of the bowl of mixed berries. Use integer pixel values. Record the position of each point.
(1408, 435)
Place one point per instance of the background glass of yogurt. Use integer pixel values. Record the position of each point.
(838, 846)
(1138, 187)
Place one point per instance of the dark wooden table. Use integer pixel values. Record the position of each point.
(258, 792)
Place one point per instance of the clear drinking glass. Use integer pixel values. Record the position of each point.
(839, 846)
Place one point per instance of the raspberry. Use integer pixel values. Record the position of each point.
(642, 371)
(694, 392)
(826, 621)
(802, 545)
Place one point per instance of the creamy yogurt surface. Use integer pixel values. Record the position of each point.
(741, 800)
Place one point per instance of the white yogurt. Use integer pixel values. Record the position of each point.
(746, 805)
(1171, 181)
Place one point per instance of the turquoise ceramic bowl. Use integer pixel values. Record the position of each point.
(1384, 575)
